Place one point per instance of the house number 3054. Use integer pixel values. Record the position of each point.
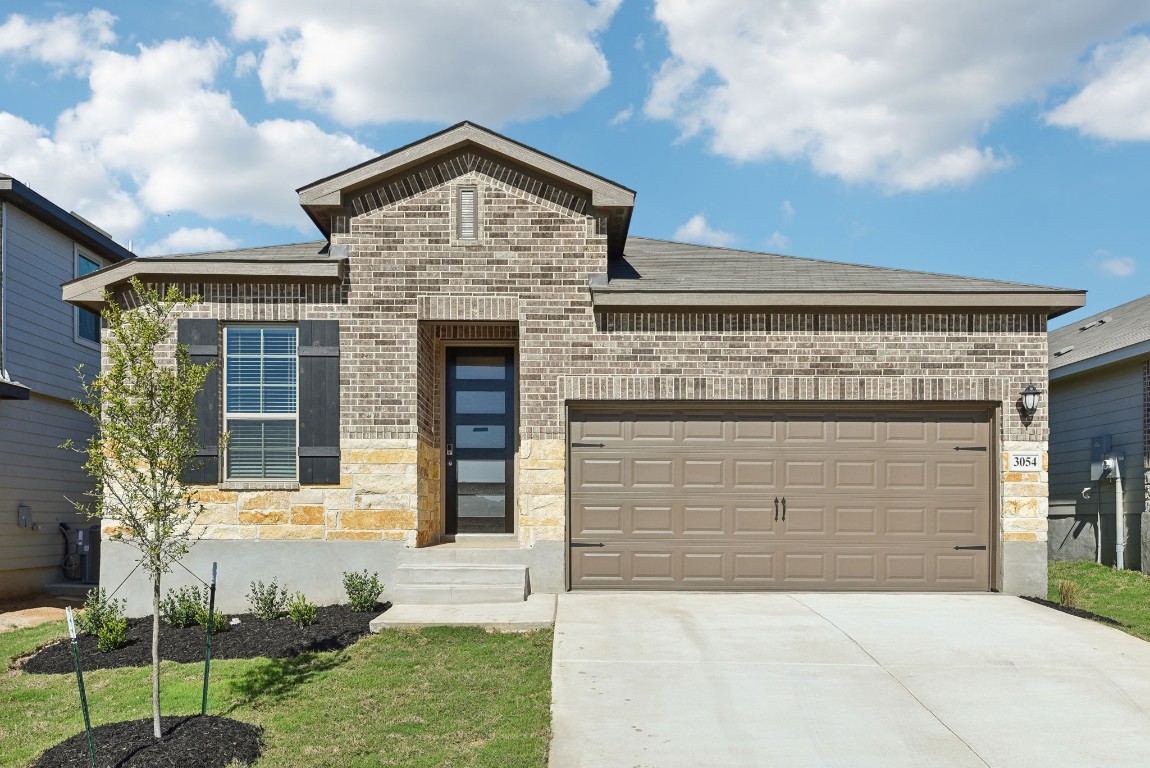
(1025, 462)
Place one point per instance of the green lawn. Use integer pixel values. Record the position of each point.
(1120, 595)
(441, 696)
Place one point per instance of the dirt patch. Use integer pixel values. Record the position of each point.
(188, 742)
(31, 611)
(335, 627)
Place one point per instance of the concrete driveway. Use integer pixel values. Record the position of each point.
(678, 679)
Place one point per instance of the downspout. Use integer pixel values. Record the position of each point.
(1119, 518)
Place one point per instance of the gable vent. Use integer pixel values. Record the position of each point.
(468, 213)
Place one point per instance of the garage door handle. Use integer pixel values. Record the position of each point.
(971, 546)
(587, 544)
(588, 445)
(784, 509)
(776, 509)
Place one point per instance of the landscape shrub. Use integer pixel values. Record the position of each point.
(220, 621)
(98, 609)
(301, 610)
(362, 589)
(267, 601)
(1068, 593)
(179, 609)
(112, 634)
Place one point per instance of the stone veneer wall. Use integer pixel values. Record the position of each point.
(412, 287)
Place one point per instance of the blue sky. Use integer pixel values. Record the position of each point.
(1008, 141)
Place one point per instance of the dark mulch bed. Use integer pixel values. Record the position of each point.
(335, 627)
(188, 742)
(1075, 611)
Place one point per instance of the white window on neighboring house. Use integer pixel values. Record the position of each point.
(87, 323)
(261, 396)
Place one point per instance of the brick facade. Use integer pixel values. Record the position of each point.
(412, 288)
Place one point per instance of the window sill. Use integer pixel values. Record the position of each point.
(259, 485)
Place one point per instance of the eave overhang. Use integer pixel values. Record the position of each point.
(14, 390)
(623, 298)
(88, 291)
(40, 207)
(1113, 357)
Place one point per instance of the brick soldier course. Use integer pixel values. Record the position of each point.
(549, 274)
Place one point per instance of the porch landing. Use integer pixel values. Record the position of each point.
(536, 612)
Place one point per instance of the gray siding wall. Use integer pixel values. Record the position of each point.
(1103, 402)
(41, 354)
(42, 350)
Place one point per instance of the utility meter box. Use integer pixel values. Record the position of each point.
(1100, 447)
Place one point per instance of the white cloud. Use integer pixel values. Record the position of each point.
(63, 42)
(778, 241)
(246, 63)
(1114, 266)
(443, 62)
(696, 230)
(155, 125)
(787, 210)
(190, 240)
(1115, 104)
(896, 92)
(70, 175)
(622, 116)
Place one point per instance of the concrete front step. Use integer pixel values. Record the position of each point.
(537, 612)
(458, 584)
(78, 589)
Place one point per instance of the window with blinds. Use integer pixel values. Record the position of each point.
(261, 401)
(468, 213)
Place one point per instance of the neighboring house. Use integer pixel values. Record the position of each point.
(478, 366)
(42, 340)
(1099, 396)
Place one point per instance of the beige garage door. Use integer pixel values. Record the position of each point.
(783, 499)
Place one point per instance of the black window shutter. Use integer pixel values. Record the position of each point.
(319, 402)
(202, 340)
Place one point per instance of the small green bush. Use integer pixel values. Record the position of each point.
(112, 634)
(267, 601)
(1068, 593)
(220, 621)
(301, 610)
(179, 609)
(98, 609)
(362, 589)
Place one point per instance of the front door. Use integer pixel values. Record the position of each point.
(479, 440)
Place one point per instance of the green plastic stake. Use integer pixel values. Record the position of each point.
(80, 682)
(208, 649)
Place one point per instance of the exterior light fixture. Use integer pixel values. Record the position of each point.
(1030, 397)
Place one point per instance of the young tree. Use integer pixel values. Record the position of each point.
(144, 412)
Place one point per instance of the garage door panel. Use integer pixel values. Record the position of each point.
(693, 500)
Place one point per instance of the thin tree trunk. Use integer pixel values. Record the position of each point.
(156, 655)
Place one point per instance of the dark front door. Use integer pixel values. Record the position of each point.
(480, 439)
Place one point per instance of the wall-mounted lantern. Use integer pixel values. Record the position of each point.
(1030, 397)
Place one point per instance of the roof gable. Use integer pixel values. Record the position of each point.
(450, 153)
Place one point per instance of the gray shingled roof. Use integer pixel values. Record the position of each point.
(315, 249)
(1123, 327)
(660, 265)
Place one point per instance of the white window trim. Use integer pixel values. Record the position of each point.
(77, 254)
(229, 417)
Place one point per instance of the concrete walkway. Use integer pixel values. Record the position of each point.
(678, 679)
